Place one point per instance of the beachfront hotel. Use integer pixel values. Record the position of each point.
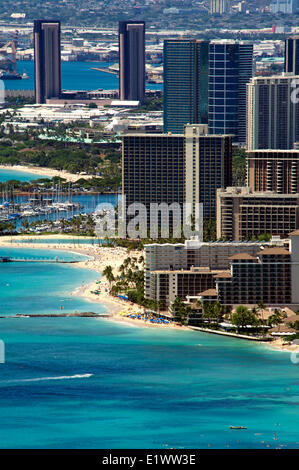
(238, 273)
(271, 277)
(243, 213)
(180, 269)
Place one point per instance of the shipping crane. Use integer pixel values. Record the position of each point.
(8, 61)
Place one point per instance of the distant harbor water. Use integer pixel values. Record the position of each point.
(74, 76)
(88, 203)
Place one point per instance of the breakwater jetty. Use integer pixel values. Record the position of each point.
(8, 259)
(60, 315)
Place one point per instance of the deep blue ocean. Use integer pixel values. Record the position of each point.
(74, 76)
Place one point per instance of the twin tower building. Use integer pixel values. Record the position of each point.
(47, 53)
(211, 100)
(204, 82)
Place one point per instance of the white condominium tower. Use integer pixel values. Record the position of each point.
(272, 112)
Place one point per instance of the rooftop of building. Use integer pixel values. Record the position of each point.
(274, 251)
(242, 256)
(283, 76)
(291, 319)
(282, 329)
(192, 270)
(196, 244)
(289, 312)
(234, 191)
(170, 134)
(208, 293)
(224, 274)
(294, 234)
(292, 151)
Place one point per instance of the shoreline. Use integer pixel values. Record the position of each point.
(99, 258)
(46, 172)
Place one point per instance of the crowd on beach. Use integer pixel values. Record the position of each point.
(97, 258)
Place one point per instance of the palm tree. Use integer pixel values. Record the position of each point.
(218, 311)
(276, 318)
(25, 224)
(108, 273)
(180, 311)
(207, 311)
(260, 308)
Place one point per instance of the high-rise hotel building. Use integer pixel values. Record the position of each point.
(230, 69)
(132, 60)
(272, 113)
(153, 168)
(208, 166)
(186, 77)
(176, 168)
(47, 61)
(243, 213)
(273, 170)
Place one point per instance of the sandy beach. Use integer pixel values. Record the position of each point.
(280, 345)
(46, 172)
(99, 258)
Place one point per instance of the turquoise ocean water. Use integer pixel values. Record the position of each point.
(91, 383)
(8, 175)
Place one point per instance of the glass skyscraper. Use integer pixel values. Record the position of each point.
(230, 69)
(186, 76)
